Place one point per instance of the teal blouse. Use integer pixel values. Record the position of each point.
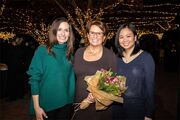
(52, 78)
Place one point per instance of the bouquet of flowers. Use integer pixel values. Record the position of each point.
(106, 87)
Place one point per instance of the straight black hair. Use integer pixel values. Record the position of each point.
(117, 45)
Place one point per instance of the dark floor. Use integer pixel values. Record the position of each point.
(166, 99)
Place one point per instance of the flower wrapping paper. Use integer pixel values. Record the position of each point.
(103, 98)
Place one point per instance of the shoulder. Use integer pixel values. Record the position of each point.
(80, 50)
(147, 58)
(41, 49)
(119, 60)
(106, 50)
(147, 55)
(108, 54)
(78, 54)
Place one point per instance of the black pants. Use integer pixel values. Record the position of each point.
(63, 113)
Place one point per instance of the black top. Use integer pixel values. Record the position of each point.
(140, 80)
(85, 68)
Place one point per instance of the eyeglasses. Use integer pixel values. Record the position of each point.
(98, 34)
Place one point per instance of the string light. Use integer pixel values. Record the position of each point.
(2, 7)
(82, 19)
(38, 34)
(140, 33)
(6, 35)
(26, 24)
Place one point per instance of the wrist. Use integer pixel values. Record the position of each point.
(36, 107)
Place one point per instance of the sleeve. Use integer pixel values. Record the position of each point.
(113, 61)
(76, 58)
(71, 83)
(149, 82)
(35, 72)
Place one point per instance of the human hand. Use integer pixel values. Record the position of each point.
(91, 98)
(147, 118)
(87, 101)
(40, 113)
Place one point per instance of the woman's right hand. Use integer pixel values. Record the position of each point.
(40, 114)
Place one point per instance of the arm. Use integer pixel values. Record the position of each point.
(38, 110)
(113, 62)
(71, 78)
(35, 73)
(149, 85)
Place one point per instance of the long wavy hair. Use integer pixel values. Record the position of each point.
(53, 38)
(117, 45)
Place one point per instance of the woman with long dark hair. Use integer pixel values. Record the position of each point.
(139, 68)
(51, 74)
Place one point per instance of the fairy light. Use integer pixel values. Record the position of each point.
(164, 18)
(6, 35)
(82, 19)
(25, 23)
(140, 33)
(110, 35)
(2, 7)
(38, 34)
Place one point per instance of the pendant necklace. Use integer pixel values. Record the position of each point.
(125, 59)
(93, 52)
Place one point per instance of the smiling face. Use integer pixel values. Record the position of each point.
(127, 39)
(95, 36)
(63, 33)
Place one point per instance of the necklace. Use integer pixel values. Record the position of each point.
(93, 51)
(126, 60)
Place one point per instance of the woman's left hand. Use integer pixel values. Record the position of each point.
(147, 118)
(91, 98)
